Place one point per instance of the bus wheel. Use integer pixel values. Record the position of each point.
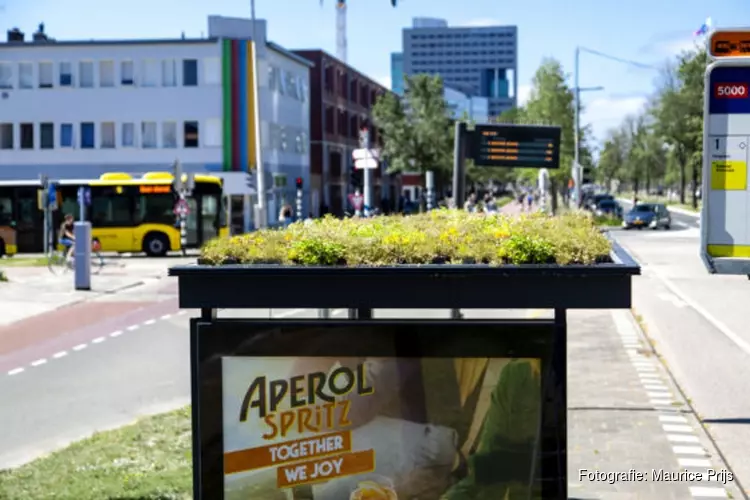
(156, 245)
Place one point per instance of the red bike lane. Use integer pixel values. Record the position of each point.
(35, 340)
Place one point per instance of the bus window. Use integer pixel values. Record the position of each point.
(209, 214)
(6, 210)
(156, 209)
(111, 210)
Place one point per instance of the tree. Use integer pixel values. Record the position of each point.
(551, 103)
(417, 129)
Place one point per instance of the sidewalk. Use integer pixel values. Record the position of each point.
(625, 414)
(515, 208)
(31, 291)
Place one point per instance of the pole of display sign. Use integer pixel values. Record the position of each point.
(367, 174)
(44, 181)
(180, 188)
(429, 181)
(459, 165)
(726, 154)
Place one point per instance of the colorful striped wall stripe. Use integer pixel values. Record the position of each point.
(239, 104)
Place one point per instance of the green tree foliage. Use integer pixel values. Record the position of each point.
(417, 129)
(663, 145)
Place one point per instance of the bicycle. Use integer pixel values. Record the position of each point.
(59, 263)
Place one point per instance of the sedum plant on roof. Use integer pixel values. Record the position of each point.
(437, 237)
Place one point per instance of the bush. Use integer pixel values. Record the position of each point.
(436, 237)
(607, 220)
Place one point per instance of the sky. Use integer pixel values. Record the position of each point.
(649, 32)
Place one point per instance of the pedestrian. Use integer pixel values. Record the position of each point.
(309, 220)
(285, 215)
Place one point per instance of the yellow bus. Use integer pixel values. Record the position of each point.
(136, 214)
(21, 221)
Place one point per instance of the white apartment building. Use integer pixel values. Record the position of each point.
(77, 109)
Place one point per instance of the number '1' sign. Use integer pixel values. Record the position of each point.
(731, 90)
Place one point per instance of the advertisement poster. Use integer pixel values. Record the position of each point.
(323, 428)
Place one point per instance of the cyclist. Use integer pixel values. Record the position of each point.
(66, 236)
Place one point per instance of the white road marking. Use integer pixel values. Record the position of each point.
(682, 438)
(673, 418)
(661, 402)
(15, 371)
(649, 376)
(645, 368)
(149, 322)
(60, 354)
(180, 313)
(708, 492)
(689, 450)
(655, 387)
(79, 347)
(659, 395)
(694, 462)
(116, 333)
(739, 341)
(166, 316)
(98, 340)
(39, 362)
(132, 328)
(672, 299)
(677, 428)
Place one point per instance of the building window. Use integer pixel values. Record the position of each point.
(148, 135)
(212, 71)
(212, 137)
(169, 73)
(169, 134)
(87, 135)
(86, 74)
(150, 76)
(66, 135)
(27, 136)
(46, 75)
(66, 74)
(47, 136)
(25, 75)
(189, 72)
(106, 73)
(6, 75)
(128, 135)
(191, 134)
(6, 136)
(127, 73)
(108, 135)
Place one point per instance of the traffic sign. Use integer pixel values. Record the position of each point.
(363, 163)
(729, 43)
(84, 196)
(181, 208)
(363, 153)
(357, 201)
(725, 233)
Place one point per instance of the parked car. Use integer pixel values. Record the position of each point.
(651, 215)
(609, 207)
(593, 201)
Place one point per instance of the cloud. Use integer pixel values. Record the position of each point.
(670, 44)
(524, 92)
(605, 113)
(482, 22)
(385, 81)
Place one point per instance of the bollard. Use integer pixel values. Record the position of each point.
(82, 255)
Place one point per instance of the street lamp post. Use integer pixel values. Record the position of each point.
(261, 218)
(577, 168)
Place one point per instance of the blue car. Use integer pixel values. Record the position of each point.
(650, 215)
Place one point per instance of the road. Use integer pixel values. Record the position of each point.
(678, 219)
(699, 325)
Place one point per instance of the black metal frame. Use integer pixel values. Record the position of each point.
(211, 340)
(599, 286)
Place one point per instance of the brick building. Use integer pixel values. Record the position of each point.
(341, 100)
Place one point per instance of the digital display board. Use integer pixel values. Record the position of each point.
(516, 146)
(730, 43)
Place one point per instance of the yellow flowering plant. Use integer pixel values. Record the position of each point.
(438, 237)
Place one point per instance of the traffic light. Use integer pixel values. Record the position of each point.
(587, 177)
(298, 182)
(357, 177)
